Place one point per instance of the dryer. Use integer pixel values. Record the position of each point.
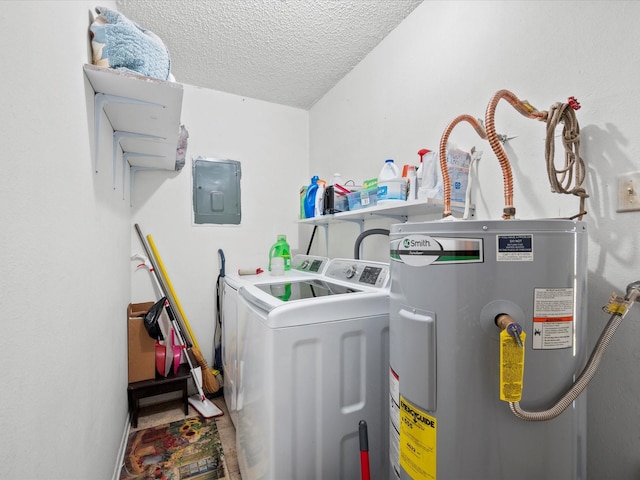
(313, 354)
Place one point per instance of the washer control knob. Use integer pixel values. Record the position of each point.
(304, 265)
(351, 271)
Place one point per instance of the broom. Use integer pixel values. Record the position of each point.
(200, 402)
(209, 382)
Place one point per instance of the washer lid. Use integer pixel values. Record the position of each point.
(305, 289)
(347, 289)
(302, 267)
(276, 313)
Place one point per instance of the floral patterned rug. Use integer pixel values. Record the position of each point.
(186, 449)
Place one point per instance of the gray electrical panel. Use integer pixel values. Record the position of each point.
(216, 191)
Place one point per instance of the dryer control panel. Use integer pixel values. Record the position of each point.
(359, 272)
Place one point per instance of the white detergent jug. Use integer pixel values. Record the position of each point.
(391, 185)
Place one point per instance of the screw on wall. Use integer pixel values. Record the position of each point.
(629, 192)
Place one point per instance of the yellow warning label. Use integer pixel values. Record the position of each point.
(418, 434)
(511, 366)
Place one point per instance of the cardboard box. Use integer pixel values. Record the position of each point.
(142, 348)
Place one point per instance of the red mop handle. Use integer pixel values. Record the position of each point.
(364, 450)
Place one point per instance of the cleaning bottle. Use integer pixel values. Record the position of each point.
(412, 183)
(303, 196)
(281, 249)
(319, 210)
(310, 198)
(422, 152)
(391, 185)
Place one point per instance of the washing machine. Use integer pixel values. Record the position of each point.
(302, 266)
(314, 356)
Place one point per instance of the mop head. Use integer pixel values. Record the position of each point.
(205, 407)
(200, 402)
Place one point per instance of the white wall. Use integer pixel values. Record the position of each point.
(271, 142)
(64, 248)
(449, 58)
(67, 237)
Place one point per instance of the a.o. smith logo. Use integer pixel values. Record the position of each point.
(409, 242)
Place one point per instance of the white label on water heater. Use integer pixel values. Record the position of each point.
(552, 318)
(514, 248)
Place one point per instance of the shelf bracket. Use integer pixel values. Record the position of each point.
(125, 160)
(117, 135)
(99, 101)
(400, 218)
(359, 221)
(132, 176)
(325, 226)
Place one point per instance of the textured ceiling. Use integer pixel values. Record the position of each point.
(289, 52)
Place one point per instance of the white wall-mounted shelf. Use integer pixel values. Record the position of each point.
(144, 114)
(397, 210)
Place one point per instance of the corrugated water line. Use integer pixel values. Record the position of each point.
(590, 369)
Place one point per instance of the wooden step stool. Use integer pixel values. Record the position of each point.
(158, 386)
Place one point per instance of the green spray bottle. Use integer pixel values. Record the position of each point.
(281, 249)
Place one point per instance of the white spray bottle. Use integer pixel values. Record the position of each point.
(422, 152)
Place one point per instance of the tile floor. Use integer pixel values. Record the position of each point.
(173, 410)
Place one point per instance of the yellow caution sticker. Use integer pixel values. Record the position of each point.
(418, 434)
(511, 366)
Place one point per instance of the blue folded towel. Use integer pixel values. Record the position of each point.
(119, 43)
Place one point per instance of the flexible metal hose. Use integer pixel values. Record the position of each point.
(525, 109)
(446, 180)
(633, 291)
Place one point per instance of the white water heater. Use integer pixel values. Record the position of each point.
(449, 282)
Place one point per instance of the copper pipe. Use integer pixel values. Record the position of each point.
(524, 108)
(446, 180)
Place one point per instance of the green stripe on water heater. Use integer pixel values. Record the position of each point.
(457, 258)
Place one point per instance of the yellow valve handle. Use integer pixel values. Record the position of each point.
(617, 305)
(511, 366)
